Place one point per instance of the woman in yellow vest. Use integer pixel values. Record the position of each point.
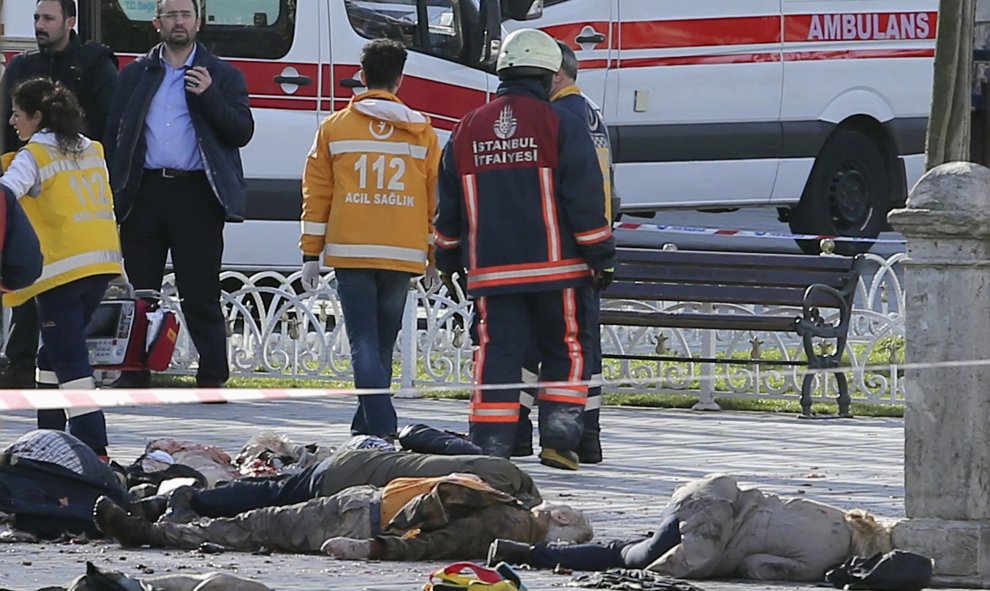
(61, 181)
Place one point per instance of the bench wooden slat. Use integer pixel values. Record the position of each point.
(734, 259)
(681, 292)
(731, 275)
(693, 320)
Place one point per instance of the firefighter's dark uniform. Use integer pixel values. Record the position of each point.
(590, 449)
(521, 207)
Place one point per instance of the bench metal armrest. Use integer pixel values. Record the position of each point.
(813, 317)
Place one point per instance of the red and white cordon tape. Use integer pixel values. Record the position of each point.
(728, 232)
(54, 399)
(112, 397)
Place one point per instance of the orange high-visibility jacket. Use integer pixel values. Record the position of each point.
(369, 187)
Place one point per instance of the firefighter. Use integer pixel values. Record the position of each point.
(566, 93)
(522, 214)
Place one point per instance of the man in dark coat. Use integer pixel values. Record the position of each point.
(178, 120)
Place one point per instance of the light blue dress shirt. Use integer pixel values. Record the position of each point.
(168, 128)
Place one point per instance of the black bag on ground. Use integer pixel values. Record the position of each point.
(425, 439)
(49, 482)
(893, 571)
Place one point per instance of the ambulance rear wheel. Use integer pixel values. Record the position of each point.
(848, 193)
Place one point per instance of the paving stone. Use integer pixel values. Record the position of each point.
(848, 462)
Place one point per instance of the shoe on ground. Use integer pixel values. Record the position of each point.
(563, 459)
(111, 519)
(179, 508)
(522, 451)
(150, 509)
(508, 551)
(17, 376)
(590, 450)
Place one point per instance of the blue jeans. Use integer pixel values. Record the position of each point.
(373, 301)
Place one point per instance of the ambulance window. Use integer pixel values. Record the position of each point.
(400, 20)
(231, 28)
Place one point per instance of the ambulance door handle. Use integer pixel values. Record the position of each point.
(297, 80)
(351, 83)
(591, 37)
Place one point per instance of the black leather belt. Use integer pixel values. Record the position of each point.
(173, 173)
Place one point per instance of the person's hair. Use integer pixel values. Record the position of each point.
(60, 111)
(868, 535)
(68, 7)
(160, 5)
(382, 61)
(570, 63)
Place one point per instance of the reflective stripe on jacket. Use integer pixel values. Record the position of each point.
(521, 203)
(73, 218)
(369, 187)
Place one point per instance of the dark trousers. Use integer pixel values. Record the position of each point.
(182, 215)
(636, 553)
(505, 325)
(22, 347)
(592, 408)
(63, 313)
(246, 495)
(373, 301)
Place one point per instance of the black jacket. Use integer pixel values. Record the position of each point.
(221, 116)
(88, 69)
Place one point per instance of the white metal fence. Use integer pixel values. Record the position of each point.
(276, 330)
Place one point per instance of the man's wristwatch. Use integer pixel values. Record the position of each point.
(310, 258)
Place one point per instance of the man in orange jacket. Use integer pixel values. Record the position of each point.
(369, 194)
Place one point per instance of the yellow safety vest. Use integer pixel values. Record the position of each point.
(73, 218)
(603, 149)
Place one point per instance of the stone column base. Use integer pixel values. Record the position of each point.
(960, 548)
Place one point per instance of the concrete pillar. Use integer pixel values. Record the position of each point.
(947, 419)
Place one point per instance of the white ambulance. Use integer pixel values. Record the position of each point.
(816, 107)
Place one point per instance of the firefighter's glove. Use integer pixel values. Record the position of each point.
(603, 278)
(311, 276)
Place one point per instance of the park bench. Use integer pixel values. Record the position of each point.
(787, 294)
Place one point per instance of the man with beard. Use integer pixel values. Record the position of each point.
(89, 70)
(177, 122)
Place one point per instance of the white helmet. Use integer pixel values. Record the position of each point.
(529, 48)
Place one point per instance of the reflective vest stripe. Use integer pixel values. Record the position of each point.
(494, 412)
(376, 251)
(78, 261)
(445, 241)
(593, 403)
(549, 206)
(594, 236)
(526, 400)
(470, 183)
(65, 164)
(314, 228)
(564, 395)
(377, 147)
(487, 279)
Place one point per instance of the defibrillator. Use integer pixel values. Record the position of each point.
(132, 330)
